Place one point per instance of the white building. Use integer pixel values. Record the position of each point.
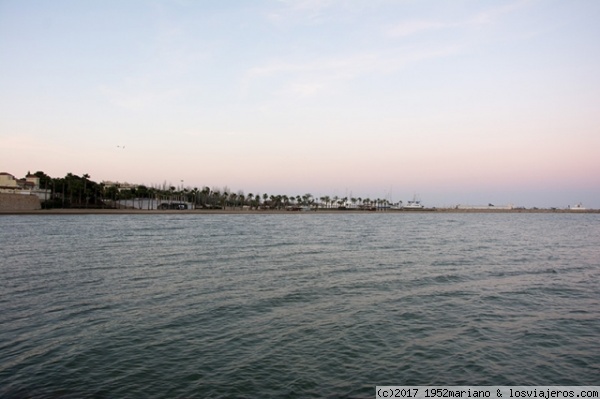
(30, 185)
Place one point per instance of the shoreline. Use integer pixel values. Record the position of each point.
(278, 212)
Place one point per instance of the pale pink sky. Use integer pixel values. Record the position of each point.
(472, 104)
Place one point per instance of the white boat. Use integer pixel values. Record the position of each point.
(397, 206)
(578, 207)
(414, 204)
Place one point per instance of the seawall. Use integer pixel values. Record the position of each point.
(19, 202)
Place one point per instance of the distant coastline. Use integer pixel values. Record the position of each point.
(72, 211)
(39, 193)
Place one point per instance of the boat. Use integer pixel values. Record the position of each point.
(413, 204)
(578, 207)
(397, 206)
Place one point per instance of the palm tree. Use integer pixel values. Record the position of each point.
(233, 198)
(194, 194)
(142, 193)
(85, 177)
(257, 198)
(151, 194)
(204, 195)
(306, 198)
(215, 197)
(367, 202)
(223, 201)
(172, 191)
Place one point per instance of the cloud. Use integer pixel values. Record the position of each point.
(409, 28)
(492, 14)
(488, 16)
(298, 77)
(169, 55)
(140, 97)
(305, 89)
(301, 11)
(343, 66)
(312, 6)
(308, 78)
(304, 75)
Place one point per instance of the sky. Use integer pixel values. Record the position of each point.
(458, 102)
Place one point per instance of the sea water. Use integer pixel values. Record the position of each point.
(295, 305)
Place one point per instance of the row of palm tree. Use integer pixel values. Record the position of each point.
(73, 191)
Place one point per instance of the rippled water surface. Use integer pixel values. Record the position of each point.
(298, 305)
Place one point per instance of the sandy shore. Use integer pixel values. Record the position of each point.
(274, 212)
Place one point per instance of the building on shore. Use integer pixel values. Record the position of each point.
(30, 185)
(151, 204)
(120, 186)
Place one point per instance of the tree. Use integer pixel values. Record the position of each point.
(171, 193)
(112, 193)
(45, 180)
(45, 184)
(306, 199)
(151, 195)
(194, 194)
(85, 177)
(142, 193)
(242, 199)
(233, 199)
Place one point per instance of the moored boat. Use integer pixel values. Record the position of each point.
(414, 204)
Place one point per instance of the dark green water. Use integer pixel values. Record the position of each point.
(298, 306)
